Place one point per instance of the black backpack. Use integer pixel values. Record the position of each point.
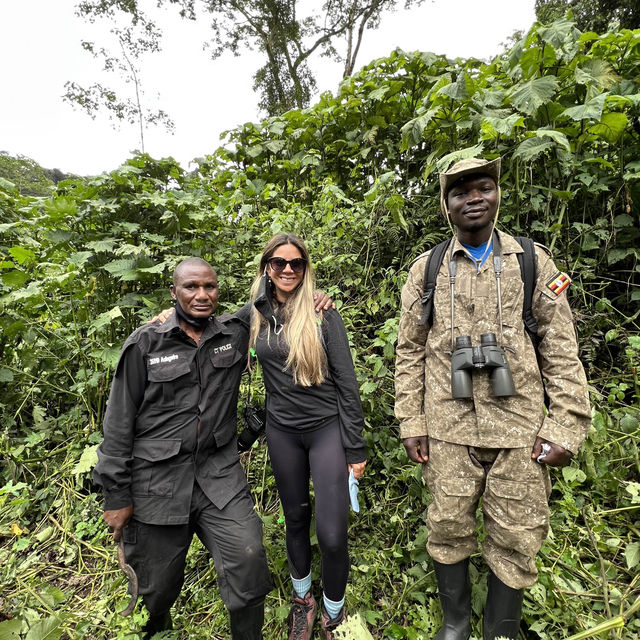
(527, 262)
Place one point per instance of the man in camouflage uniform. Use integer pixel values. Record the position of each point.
(486, 446)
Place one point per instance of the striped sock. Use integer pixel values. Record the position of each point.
(301, 586)
(331, 607)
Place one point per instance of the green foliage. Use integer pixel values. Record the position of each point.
(356, 176)
(26, 175)
(591, 15)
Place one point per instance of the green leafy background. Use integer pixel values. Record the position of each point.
(356, 176)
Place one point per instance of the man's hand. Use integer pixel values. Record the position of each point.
(117, 520)
(556, 457)
(417, 448)
(322, 301)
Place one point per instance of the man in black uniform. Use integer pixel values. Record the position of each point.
(169, 463)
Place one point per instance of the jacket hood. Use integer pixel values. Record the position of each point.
(264, 303)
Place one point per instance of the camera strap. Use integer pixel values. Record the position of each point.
(528, 272)
(253, 360)
(497, 269)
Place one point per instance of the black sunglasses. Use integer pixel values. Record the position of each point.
(278, 264)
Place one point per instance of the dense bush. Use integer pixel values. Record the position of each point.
(356, 175)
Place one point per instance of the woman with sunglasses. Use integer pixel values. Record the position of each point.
(314, 424)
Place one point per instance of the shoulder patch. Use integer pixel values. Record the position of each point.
(558, 283)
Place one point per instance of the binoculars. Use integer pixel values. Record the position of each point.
(489, 356)
(255, 418)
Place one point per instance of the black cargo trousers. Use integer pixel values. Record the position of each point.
(233, 537)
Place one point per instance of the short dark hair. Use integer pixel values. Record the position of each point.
(190, 262)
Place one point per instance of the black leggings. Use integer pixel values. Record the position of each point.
(294, 457)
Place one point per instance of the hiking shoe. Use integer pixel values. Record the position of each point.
(301, 617)
(329, 626)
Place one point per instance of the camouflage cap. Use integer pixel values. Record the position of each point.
(467, 167)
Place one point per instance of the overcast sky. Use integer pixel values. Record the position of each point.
(40, 49)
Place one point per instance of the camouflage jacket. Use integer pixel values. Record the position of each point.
(424, 405)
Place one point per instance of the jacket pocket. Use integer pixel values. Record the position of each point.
(154, 471)
(168, 372)
(168, 375)
(225, 359)
(154, 449)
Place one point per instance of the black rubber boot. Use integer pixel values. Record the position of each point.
(503, 610)
(455, 597)
(157, 623)
(246, 623)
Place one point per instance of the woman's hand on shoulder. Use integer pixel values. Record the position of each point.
(162, 317)
(357, 468)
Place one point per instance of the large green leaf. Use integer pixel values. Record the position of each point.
(459, 90)
(106, 318)
(80, 258)
(48, 629)
(15, 278)
(591, 110)
(531, 148)
(22, 255)
(531, 95)
(557, 136)
(99, 246)
(504, 126)
(88, 460)
(123, 269)
(558, 33)
(611, 127)
(10, 629)
(632, 555)
(470, 152)
(597, 72)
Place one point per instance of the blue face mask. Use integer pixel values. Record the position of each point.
(353, 492)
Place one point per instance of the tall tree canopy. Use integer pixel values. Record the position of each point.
(286, 32)
(129, 41)
(591, 15)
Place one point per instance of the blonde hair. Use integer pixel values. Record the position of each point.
(307, 360)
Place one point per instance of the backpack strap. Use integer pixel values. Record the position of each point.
(431, 268)
(528, 270)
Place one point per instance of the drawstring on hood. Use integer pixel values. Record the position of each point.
(264, 304)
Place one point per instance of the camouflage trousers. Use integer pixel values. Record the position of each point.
(514, 490)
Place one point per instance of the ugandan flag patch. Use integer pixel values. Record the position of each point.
(559, 283)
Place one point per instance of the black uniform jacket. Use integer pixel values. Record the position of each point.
(171, 420)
